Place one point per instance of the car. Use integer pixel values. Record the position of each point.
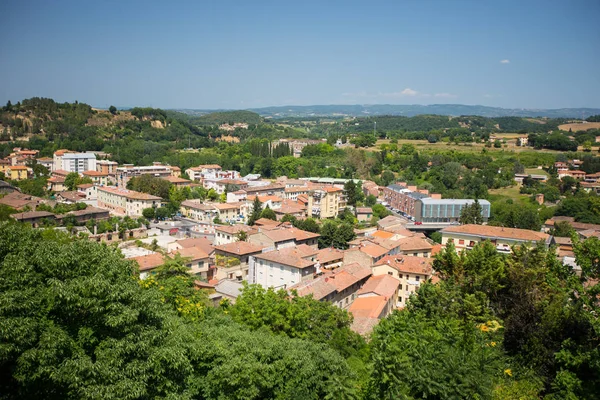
(455, 223)
(418, 223)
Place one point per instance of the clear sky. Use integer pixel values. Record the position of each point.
(242, 54)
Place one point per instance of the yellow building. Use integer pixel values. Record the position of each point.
(17, 172)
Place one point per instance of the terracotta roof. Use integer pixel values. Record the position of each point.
(368, 307)
(45, 159)
(89, 210)
(373, 250)
(290, 256)
(71, 196)
(85, 185)
(56, 179)
(364, 210)
(436, 248)
(32, 215)
(207, 166)
(130, 194)
(175, 179)
(61, 152)
(278, 235)
(60, 172)
(239, 248)
(414, 243)
(300, 234)
(235, 229)
(264, 199)
(202, 243)
(319, 288)
(94, 173)
(329, 254)
(237, 182)
(413, 265)
(290, 209)
(307, 250)
(357, 270)
(297, 189)
(198, 205)
(382, 285)
(332, 189)
(256, 189)
(487, 231)
(19, 200)
(18, 168)
(195, 253)
(382, 234)
(149, 261)
(390, 220)
(266, 221)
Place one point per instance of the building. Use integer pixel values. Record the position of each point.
(402, 198)
(46, 162)
(232, 213)
(78, 162)
(376, 300)
(126, 172)
(126, 202)
(410, 271)
(365, 254)
(198, 211)
(197, 261)
(283, 236)
(225, 234)
(364, 214)
(415, 246)
(283, 268)
(88, 190)
(98, 178)
(56, 184)
(20, 201)
(208, 170)
(330, 258)
(107, 167)
(428, 210)
(57, 158)
(467, 236)
(202, 243)
(18, 172)
(233, 260)
(326, 202)
(177, 181)
(35, 218)
(339, 287)
(148, 263)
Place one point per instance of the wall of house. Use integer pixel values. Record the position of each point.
(272, 274)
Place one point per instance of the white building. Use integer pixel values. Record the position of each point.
(283, 268)
(125, 202)
(79, 162)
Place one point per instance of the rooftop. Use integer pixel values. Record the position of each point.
(368, 307)
(149, 262)
(487, 231)
(290, 256)
(130, 194)
(413, 265)
(202, 243)
(239, 248)
(381, 285)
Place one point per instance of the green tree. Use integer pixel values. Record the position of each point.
(112, 110)
(268, 214)
(149, 213)
(72, 180)
(370, 200)
(162, 213)
(471, 214)
(256, 211)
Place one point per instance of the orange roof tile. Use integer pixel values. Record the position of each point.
(382, 285)
(368, 307)
(410, 264)
(487, 231)
(149, 261)
(239, 248)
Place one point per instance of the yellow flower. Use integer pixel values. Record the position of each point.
(508, 372)
(493, 344)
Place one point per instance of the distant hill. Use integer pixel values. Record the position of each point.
(222, 117)
(412, 110)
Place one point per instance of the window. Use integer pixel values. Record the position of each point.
(415, 254)
(417, 278)
(390, 273)
(400, 299)
(461, 241)
(400, 276)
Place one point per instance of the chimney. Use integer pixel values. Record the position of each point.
(412, 188)
(436, 196)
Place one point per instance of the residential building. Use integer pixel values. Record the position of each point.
(46, 162)
(330, 258)
(56, 184)
(428, 210)
(197, 261)
(225, 234)
(282, 236)
(107, 167)
(20, 201)
(88, 190)
(366, 313)
(35, 218)
(382, 285)
(467, 236)
(326, 202)
(98, 178)
(202, 243)
(126, 202)
(199, 172)
(231, 212)
(339, 286)
(365, 254)
(403, 198)
(416, 246)
(128, 171)
(283, 268)
(233, 260)
(148, 263)
(18, 172)
(364, 214)
(410, 271)
(198, 211)
(57, 158)
(177, 182)
(78, 162)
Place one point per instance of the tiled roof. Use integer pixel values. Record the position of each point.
(227, 206)
(368, 307)
(266, 222)
(175, 179)
(382, 234)
(382, 285)
(149, 261)
(202, 243)
(329, 254)
(363, 325)
(198, 205)
(229, 288)
(319, 288)
(414, 243)
(32, 215)
(195, 253)
(235, 229)
(85, 185)
(364, 210)
(94, 173)
(290, 256)
(130, 194)
(239, 248)
(487, 231)
(413, 265)
(373, 250)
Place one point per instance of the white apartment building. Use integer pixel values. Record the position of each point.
(283, 268)
(125, 202)
(203, 171)
(126, 172)
(77, 162)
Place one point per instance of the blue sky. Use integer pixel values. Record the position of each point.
(241, 54)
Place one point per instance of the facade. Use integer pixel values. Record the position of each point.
(78, 162)
(57, 159)
(410, 271)
(106, 167)
(467, 236)
(126, 202)
(364, 214)
(198, 262)
(228, 233)
(88, 190)
(17, 172)
(125, 173)
(198, 211)
(403, 198)
(98, 178)
(326, 202)
(282, 268)
(46, 162)
(197, 173)
(233, 260)
(446, 210)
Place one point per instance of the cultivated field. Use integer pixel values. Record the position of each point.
(579, 126)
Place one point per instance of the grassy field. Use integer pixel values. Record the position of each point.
(508, 193)
(444, 146)
(535, 171)
(577, 126)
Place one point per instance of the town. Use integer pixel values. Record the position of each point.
(249, 229)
